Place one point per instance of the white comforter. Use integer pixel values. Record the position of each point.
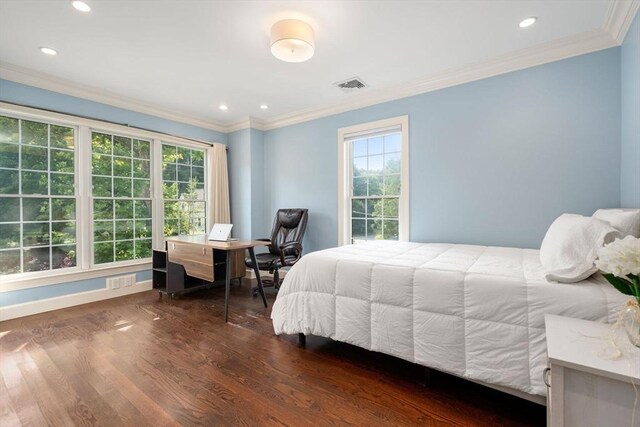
(473, 311)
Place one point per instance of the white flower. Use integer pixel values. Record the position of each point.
(621, 257)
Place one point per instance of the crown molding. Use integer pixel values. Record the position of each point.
(239, 125)
(246, 123)
(537, 55)
(28, 77)
(619, 18)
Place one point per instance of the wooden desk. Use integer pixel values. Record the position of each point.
(211, 260)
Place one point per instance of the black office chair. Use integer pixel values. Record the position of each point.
(286, 245)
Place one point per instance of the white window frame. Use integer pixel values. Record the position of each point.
(84, 224)
(345, 171)
(207, 176)
(80, 258)
(154, 227)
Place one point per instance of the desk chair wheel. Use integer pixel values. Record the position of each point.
(267, 283)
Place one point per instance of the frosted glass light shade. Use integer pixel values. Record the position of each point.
(292, 40)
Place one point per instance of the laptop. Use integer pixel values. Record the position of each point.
(221, 232)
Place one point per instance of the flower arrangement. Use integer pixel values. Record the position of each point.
(619, 262)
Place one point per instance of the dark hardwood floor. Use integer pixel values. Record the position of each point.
(138, 360)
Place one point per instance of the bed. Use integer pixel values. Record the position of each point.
(473, 311)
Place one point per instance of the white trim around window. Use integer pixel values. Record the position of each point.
(345, 170)
(83, 170)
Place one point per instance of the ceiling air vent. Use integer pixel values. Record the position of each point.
(351, 85)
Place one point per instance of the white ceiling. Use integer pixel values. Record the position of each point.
(189, 56)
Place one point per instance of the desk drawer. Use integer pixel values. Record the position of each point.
(189, 252)
(197, 260)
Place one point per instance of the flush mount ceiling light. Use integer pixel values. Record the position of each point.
(264, 106)
(81, 6)
(223, 107)
(528, 22)
(48, 51)
(292, 40)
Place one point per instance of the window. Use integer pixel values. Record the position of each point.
(121, 181)
(78, 198)
(37, 195)
(183, 188)
(373, 179)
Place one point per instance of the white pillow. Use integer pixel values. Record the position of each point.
(570, 247)
(626, 221)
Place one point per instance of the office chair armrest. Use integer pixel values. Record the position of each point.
(291, 246)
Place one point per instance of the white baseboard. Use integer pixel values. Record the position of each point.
(64, 301)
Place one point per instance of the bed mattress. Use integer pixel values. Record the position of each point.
(473, 311)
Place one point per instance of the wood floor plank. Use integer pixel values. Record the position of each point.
(353, 416)
(18, 395)
(153, 413)
(138, 360)
(370, 405)
(97, 390)
(8, 415)
(218, 387)
(52, 403)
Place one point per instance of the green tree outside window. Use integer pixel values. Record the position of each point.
(37, 195)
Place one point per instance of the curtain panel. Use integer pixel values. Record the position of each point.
(219, 212)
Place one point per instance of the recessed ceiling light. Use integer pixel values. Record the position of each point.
(264, 106)
(48, 51)
(223, 107)
(528, 22)
(81, 6)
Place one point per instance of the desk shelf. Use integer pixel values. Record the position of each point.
(159, 269)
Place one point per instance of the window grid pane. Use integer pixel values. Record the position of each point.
(121, 181)
(38, 224)
(375, 185)
(37, 191)
(183, 190)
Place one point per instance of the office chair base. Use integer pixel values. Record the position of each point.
(267, 283)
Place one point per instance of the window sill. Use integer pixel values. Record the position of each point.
(18, 283)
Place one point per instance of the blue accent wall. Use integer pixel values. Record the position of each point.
(491, 162)
(630, 167)
(42, 98)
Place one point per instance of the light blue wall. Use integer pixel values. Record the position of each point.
(630, 168)
(246, 183)
(259, 218)
(40, 98)
(491, 162)
(239, 163)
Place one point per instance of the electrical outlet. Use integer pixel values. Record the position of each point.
(128, 280)
(113, 283)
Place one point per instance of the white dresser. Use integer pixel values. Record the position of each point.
(587, 386)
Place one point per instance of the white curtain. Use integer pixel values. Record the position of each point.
(218, 186)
